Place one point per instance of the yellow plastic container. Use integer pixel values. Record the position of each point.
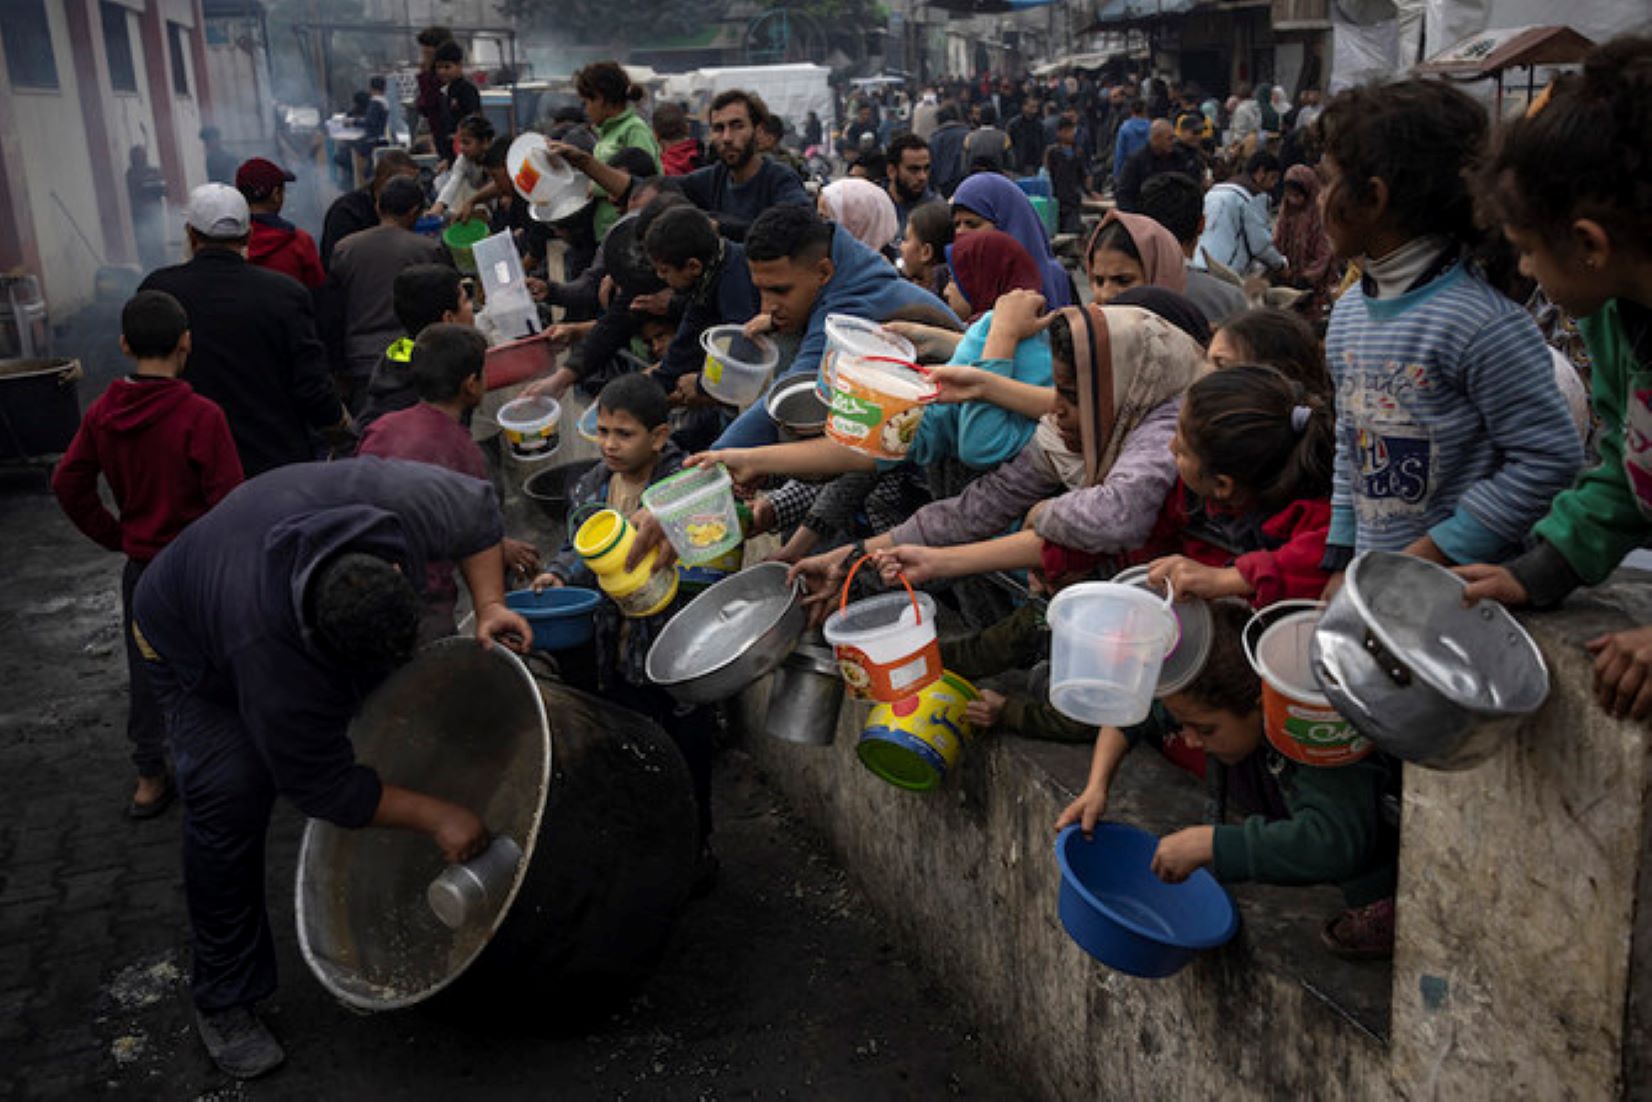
(604, 541)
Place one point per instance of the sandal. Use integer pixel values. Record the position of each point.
(158, 805)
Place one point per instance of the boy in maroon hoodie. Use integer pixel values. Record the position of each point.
(168, 457)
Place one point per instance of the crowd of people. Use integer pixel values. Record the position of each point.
(1143, 411)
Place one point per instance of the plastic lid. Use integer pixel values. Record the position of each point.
(598, 535)
(900, 759)
(887, 376)
(867, 338)
(528, 413)
(1186, 658)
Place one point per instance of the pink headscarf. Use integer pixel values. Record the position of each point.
(864, 209)
(1162, 262)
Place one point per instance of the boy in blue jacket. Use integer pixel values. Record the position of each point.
(805, 268)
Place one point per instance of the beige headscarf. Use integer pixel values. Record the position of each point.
(1162, 262)
(864, 209)
(1129, 362)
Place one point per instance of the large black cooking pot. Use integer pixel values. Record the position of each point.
(598, 798)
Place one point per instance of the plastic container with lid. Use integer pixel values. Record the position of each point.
(696, 508)
(914, 743)
(604, 541)
(852, 336)
(531, 427)
(737, 367)
(877, 405)
(1108, 642)
(460, 238)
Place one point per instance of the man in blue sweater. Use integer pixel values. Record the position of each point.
(265, 625)
(805, 268)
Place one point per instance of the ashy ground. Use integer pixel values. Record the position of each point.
(779, 984)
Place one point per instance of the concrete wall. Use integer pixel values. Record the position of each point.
(57, 168)
(1523, 959)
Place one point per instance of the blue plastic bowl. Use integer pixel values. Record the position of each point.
(561, 618)
(1129, 919)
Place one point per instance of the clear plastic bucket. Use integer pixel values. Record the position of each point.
(737, 367)
(531, 426)
(696, 508)
(847, 335)
(1108, 642)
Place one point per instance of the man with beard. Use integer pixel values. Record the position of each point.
(908, 170)
(741, 184)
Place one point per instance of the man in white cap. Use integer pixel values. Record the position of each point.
(254, 348)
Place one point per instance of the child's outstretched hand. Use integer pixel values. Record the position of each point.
(1086, 811)
(1495, 583)
(520, 555)
(743, 466)
(960, 383)
(918, 563)
(1189, 578)
(547, 581)
(1180, 854)
(1623, 672)
(983, 713)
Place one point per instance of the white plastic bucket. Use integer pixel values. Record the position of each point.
(696, 508)
(737, 367)
(886, 646)
(1108, 642)
(1297, 718)
(852, 336)
(530, 426)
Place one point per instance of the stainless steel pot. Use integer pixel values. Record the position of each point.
(1424, 677)
(729, 636)
(806, 697)
(598, 797)
(796, 408)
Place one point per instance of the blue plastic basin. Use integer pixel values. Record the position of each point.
(561, 618)
(1129, 919)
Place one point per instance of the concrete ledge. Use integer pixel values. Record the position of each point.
(1525, 939)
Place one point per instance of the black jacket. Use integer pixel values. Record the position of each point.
(255, 352)
(1144, 164)
(350, 213)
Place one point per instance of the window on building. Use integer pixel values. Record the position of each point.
(117, 46)
(27, 37)
(176, 33)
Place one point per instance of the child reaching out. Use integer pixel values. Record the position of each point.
(1564, 182)
(1306, 824)
(1452, 436)
(634, 433)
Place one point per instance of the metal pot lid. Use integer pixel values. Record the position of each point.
(1186, 658)
(721, 624)
(814, 659)
(1478, 658)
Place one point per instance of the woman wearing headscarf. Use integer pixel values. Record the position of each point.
(988, 201)
(864, 209)
(1102, 455)
(1132, 250)
(1300, 236)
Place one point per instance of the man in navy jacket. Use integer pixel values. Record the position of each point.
(266, 624)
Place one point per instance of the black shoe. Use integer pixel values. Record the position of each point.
(238, 1042)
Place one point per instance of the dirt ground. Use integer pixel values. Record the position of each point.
(779, 983)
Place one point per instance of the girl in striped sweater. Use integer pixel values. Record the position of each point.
(1452, 436)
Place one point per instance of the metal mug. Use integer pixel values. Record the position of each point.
(466, 892)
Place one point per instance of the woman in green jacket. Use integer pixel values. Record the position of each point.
(607, 94)
(1570, 187)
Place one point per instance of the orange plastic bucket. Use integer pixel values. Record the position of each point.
(1299, 722)
(886, 646)
(877, 404)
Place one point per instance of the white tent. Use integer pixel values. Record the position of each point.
(791, 91)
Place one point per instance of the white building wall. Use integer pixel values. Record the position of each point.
(186, 110)
(58, 169)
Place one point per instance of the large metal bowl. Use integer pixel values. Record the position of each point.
(598, 798)
(1426, 678)
(729, 636)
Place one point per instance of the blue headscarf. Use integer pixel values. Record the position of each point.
(1003, 204)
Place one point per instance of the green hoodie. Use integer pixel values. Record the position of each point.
(1591, 527)
(1335, 834)
(625, 130)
